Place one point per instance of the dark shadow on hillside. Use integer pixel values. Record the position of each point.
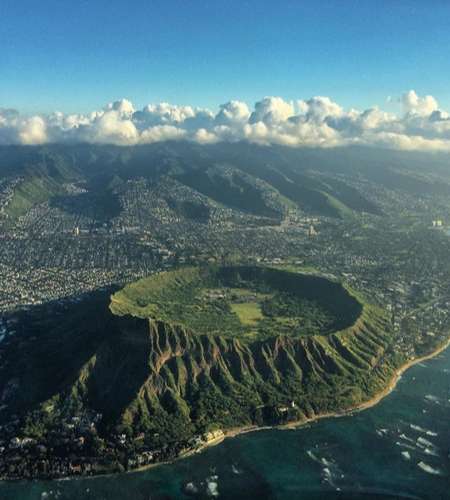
(190, 209)
(121, 366)
(331, 295)
(56, 340)
(101, 206)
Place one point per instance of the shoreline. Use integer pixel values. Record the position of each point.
(238, 431)
(365, 405)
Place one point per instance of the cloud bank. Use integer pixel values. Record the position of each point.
(318, 122)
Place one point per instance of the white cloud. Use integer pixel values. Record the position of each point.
(415, 105)
(233, 112)
(33, 131)
(409, 142)
(256, 132)
(272, 110)
(204, 137)
(123, 106)
(318, 108)
(161, 133)
(111, 127)
(318, 121)
(168, 114)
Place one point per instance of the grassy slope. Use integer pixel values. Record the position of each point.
(249, 313)
(181, 297)
(33, 190)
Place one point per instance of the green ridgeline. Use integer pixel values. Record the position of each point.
(139, 361)
(245, 302)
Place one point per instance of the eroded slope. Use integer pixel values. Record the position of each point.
(161, 378)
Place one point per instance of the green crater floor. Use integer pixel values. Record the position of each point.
(249, 302)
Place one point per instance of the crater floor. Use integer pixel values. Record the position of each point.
(248, 302)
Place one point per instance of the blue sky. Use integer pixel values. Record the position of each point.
(77, 55)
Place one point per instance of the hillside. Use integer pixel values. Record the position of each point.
(257, 180)
(143, 365)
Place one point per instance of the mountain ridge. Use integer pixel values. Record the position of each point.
(240, 176)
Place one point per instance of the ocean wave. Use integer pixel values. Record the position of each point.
(327, 463)
(422, 430)
(406, 438)
(330, 470)
(331, 474)
(432, 399)
(322, 461)
(404, 445)
(406, 455)
(424, 442)
(313, 457)
(51, 494)
(431, 470)
(328, 478)
(212, 486)
(191, 489)
(235, 469)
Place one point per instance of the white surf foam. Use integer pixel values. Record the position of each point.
(422, 430)
(212, 487)
(235, 469)
(431, 470)
(328, 476)
(327, 463)
(432, 398)
(425, 442)
(404, 445)
(406, 438)
(190, 488)
(312, 456)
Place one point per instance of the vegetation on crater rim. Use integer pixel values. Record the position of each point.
(191, 350)
(246, 302)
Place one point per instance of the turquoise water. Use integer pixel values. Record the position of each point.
(358, 456)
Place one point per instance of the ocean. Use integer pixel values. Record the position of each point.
(397, 449)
